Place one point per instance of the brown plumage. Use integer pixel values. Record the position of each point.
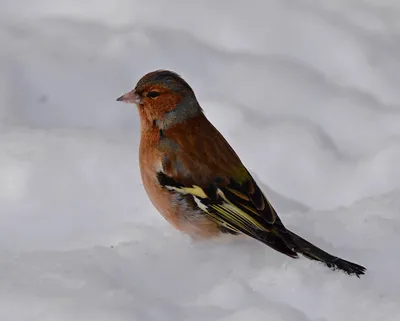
(196, 180)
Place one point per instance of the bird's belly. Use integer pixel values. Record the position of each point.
(178, 211)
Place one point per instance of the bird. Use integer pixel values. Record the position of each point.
(195, 179)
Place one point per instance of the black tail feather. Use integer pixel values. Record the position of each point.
(312, 252)
(289, 243)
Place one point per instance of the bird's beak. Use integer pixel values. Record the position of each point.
(130, 97)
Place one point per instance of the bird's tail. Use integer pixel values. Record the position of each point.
(291, 244)
(312, 252)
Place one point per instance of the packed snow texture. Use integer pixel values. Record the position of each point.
(307, 92)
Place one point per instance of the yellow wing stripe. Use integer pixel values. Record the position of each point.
(236, 215)
(229, 214)
(194, 190)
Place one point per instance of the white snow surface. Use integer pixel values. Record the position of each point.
(306, 91)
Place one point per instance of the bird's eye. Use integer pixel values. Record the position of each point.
(153, 94)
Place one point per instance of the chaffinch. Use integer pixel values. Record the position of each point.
(196, 180)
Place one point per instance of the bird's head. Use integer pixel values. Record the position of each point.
(163, 99)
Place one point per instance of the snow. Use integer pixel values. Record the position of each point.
(305, 91)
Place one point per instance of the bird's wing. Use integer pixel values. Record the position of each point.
(232, 212)
(220, 204)
(201, 163)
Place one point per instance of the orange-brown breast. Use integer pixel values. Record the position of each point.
(150, 160)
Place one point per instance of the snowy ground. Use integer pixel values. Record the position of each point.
(311, 90)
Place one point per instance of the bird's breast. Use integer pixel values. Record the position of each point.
(150, 163)
(178, 211)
